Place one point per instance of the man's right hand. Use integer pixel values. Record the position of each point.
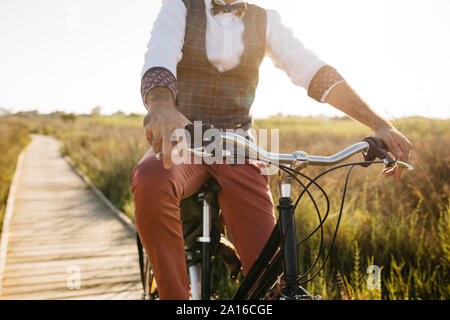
(162, 119)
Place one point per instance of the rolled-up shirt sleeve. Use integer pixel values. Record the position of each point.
(164, 49)
(288, 53)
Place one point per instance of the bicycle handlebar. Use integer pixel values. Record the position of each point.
(371, 147)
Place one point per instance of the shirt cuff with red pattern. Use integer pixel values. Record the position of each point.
(158, 77)
(323, 82)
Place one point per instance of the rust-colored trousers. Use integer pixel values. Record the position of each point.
(244, 198)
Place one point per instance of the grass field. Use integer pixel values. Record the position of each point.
(401, 227)
(13, 138)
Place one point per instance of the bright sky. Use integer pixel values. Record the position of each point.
(73, 55)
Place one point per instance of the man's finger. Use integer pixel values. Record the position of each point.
(149, 135)
(167, 152)
(393, 146)
(181, 144)
(405, 146)
(387, 172)
(156, 143)
(397, 173)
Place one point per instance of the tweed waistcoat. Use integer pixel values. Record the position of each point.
(222, 99)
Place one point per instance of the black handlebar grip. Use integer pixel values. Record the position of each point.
(377, 149)
(191, 129)
(378, 143)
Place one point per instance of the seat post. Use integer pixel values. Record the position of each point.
(205, 239)
(206, 196)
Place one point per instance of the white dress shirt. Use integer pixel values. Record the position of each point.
(224, 43)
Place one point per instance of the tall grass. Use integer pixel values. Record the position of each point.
(403, 228)
(13, 138)
(400, 227)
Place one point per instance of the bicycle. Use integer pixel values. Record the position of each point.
(274, 274)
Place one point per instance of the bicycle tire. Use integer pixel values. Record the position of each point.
(150, 290)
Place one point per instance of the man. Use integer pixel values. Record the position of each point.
(202, 64)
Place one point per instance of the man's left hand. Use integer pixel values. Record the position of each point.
(398, 145)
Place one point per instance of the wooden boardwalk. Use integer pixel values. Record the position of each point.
(63, 242)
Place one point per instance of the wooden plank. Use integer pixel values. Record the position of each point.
(28, 284)
(125, 290)
(24, 268)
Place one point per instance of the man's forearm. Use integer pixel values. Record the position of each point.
(330, 87)
(344, 98)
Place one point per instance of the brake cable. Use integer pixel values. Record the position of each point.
(286, 169)
(290, 171)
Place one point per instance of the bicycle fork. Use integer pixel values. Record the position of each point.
(289, 238)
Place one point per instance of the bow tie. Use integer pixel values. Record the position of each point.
(218, 6)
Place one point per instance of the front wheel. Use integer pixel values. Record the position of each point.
(147, 275)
